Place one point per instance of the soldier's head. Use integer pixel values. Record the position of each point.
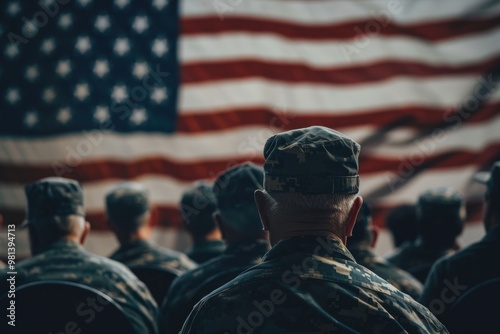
(128, 211)
(492, 195)
(402, 223)
(364, 232)
(197, 206)
(440, 215)
(311, 184)
(236, 212)
(55, 210)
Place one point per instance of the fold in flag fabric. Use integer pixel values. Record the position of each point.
(169, 92)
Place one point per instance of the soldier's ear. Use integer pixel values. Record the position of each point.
(261, 202)
(353, 216)
(85, 233)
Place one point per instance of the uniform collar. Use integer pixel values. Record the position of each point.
(331, 248)
(64, 243)
(257, 246)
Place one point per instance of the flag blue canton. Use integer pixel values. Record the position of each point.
(87, 64)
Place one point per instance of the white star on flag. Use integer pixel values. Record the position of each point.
(63, 67)
(64, 115)
(121, 46)
(138, 116)
(119, 93)
(82, 91)
(31, 119)
(49, 95)
(48, 45)
(140, 70)
(83, 44)
(32, 72)
(102, 23)
(160, 4)
(13, 95)
(101, 114)
(101, 68)
(140, 24)
(159, 94)
(65, 21)
(160, 47)
(122, 3)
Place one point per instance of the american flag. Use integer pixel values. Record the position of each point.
(168, 92)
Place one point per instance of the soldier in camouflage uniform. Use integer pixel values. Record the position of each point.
(197, 206)
(453, 275)
(440, 219)
(361, 243)
(128, 211)
(57, 229)
(239, 221)
(309, 282)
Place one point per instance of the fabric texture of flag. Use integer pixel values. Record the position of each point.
(169, 92)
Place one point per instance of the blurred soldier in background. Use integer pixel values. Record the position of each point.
(453, 275)
(239, 222)
(440, 219)
(402, 224)
(128, 211)
(309, 282)
(57, 230)
(361, 245)
(197, 206)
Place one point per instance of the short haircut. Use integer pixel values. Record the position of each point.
(197, 205)
(336, 205)
(51, 229)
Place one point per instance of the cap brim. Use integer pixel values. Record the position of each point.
(482, 177)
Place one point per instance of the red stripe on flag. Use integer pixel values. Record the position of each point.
(417, 117)
(434, 31)
(191, 171)
(349, 75)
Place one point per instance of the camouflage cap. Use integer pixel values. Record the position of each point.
(127, 200)
(235, 186)
(313, 160)
(491, 179)
(53, 196)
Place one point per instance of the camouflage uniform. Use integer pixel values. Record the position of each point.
(188, 289)
(401, 279)
(203, 251)
(141, 252)
(68, 261)
(310, 285)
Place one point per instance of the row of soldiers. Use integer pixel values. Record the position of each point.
(297, 254)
